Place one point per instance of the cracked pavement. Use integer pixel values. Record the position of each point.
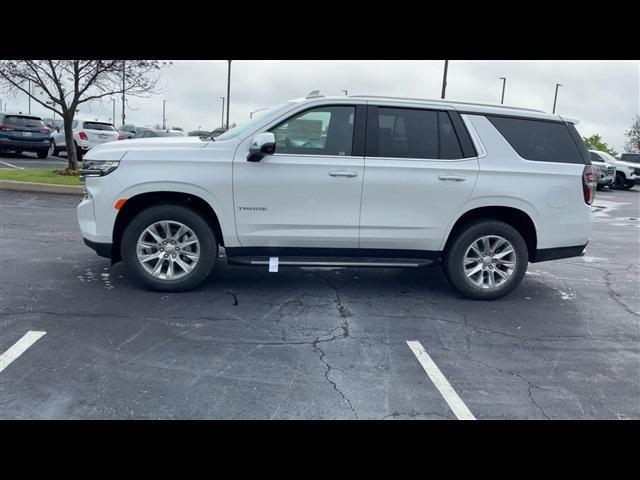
(313, 343)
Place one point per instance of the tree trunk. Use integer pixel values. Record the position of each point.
(72, 156)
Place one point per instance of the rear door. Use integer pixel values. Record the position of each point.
(100, 132)
(420, 167)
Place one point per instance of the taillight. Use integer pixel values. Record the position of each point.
(83, 136)
(120, 137)
(589, 184)
(6, 127)
(45, 130)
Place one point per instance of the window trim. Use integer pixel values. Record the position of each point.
(356, 140)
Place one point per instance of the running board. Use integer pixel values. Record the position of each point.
(333, 262)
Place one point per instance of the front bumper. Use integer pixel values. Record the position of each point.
(102, 249)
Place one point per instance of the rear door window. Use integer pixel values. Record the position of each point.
(539, 140)
(20, 121)
(449, 144)
(99, 126)
(407, 133)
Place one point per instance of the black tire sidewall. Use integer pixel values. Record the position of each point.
(179, 213)
(453, 260)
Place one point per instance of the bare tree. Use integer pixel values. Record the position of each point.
(66, 84)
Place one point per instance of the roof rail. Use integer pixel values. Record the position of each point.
(457, 102)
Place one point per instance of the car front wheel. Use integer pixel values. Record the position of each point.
(169, 248)
(487, 260)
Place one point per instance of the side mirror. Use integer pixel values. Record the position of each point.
(262, 144)
(58, 129)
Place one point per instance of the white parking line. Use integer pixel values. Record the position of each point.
(444, 387)
(9, 165)
(19, 348)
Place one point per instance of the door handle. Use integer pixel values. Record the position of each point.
(455, 178)
(342, 173)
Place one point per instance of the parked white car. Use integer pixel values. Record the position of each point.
(347, 181)
(606, 172)
(87, 133)
(627, 173)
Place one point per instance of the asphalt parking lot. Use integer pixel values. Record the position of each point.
(314, 343)
(30, 160)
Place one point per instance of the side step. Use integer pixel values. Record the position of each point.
(333, 262)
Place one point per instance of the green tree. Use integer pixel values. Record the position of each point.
(632, 145)
(594, 142)
(178, 128)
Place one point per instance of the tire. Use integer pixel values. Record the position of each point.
(175, 215)
(43, 153)
(460, 251)
(53, 150)
(78, 153)
(620, 181)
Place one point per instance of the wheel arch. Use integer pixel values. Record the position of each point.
(141, 201)
(517, 218)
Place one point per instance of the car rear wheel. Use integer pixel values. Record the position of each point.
(169, 248)
(487, 260)
(53, 150)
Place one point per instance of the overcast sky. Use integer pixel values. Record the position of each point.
(604, 95)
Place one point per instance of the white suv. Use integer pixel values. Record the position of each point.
(86, 134)
(347, 181)
(627, 173)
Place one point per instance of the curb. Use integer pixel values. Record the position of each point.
(40, 187)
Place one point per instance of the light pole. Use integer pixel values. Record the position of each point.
(228, 91)
(123, 72)
(256, 111)
(444, 78)
(29, 96)
(504, 82)
(164, 119)
(50, 102)
(555, 98)
(113, 101)
(222, 119)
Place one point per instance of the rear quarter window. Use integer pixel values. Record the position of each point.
(540, 140)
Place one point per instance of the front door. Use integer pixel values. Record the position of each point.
(307, 194)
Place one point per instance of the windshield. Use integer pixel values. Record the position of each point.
(607, 157)
(250, 124)
(24, 122)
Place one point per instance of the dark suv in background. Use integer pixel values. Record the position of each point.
(23, 133)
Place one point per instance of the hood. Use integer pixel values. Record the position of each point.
(182, 142)
(117, 150)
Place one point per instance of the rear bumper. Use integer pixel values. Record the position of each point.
(32, 146)
(545, 254)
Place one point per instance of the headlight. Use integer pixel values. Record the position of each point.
(98, 168)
